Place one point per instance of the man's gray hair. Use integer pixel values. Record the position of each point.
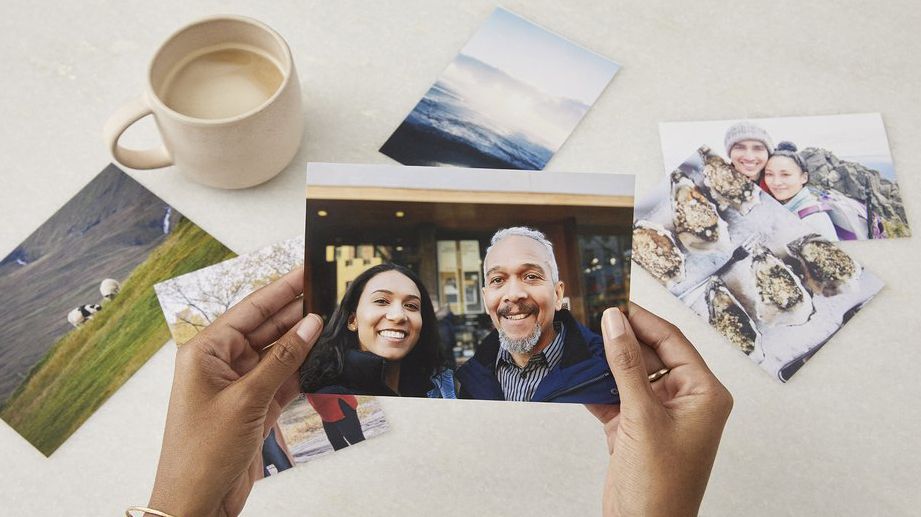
(531, 233)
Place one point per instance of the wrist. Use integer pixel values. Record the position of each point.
(181, 500)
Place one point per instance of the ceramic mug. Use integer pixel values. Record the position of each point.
(220, 139)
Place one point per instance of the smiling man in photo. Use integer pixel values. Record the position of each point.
(537, 351)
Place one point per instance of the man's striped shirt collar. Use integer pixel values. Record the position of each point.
(521, 383)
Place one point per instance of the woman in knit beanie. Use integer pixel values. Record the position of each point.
(786, 177)
(748, 147)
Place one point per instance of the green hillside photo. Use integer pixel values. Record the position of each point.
(80, 312)
(87, 365)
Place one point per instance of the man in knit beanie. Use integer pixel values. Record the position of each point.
(748, 147)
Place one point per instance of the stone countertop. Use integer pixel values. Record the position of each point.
(839, 439)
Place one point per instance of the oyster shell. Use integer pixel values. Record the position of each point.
(697, 223)
(826, 267)
(655, 249)
(728, 187)
(729, 318)
(779, 296)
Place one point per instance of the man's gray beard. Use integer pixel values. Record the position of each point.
(521, 345)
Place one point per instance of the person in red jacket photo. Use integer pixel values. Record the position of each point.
(339, 414)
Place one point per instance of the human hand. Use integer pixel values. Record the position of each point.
(228, 391)
(664, 435)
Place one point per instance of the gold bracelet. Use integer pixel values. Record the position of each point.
(144, 509)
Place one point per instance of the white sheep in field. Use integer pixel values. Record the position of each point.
(109, 288)
(82, 314)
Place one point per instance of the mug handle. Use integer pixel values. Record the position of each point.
(118, 123)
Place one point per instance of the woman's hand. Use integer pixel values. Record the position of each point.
(663, 437)
(228, 391)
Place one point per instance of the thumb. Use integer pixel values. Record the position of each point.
(283, 359)
(625, 358)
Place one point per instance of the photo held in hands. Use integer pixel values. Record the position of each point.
(491, 289)
(310, 426)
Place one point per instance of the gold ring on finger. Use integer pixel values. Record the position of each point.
(654, 376)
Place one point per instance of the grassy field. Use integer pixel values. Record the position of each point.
(87, 365)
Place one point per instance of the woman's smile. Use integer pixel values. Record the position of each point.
(396, 335)
(388, 318)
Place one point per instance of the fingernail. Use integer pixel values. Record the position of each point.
(613, 323)
(309, 327)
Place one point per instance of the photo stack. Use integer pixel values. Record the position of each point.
(309, 427)
(767, 281)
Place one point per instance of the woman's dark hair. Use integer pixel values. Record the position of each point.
(788, 149)
(327, 360)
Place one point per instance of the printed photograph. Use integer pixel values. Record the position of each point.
(476, 284)
(834, 172)
(766, 280)
(79, 312)
(509, 100)
(309, 427)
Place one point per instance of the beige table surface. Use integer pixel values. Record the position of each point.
(841, 439)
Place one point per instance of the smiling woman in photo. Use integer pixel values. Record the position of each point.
(382, 339)
(786, 177)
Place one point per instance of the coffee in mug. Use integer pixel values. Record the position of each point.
(226, 100)
(221, 82)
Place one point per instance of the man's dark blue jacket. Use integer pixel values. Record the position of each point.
(582, 374)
